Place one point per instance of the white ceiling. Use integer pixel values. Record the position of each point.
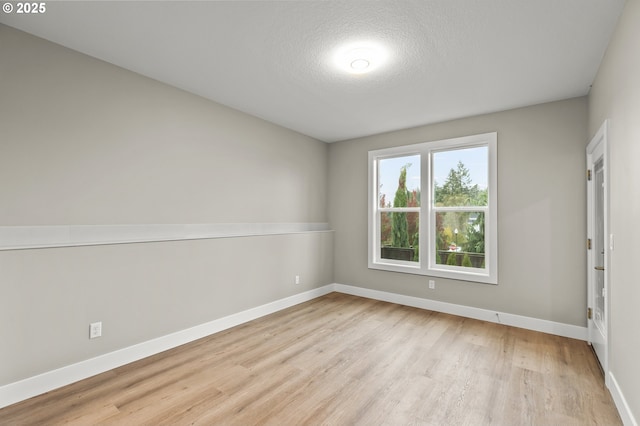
(272, 59)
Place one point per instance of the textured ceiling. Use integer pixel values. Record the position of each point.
(448, 58)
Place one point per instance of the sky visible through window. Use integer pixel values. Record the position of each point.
(389, 174)
(474, 159)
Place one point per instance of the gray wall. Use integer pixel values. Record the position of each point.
(616, 96)
(541, 231)
(83, 142)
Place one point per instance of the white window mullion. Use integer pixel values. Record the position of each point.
(399, 209)
(425, 215)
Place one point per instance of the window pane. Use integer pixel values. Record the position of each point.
(399, 236)
(399, 181)
(460, 239)
(461, 177)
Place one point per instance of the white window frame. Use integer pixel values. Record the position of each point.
(427, 264)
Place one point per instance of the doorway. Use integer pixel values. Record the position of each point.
(597, 247)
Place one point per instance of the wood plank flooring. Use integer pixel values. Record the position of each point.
(343, 360)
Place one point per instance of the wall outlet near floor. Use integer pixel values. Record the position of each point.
(432, 285)
(95, 330)
(297, 279)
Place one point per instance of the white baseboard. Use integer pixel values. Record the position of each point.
(545, 326)
(37, 385)
(621, 403)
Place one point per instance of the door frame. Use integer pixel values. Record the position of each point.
(596, 148)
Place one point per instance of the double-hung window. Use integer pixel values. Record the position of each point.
(433, 208)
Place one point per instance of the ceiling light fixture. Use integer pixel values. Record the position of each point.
(360, 58)
(360, 64)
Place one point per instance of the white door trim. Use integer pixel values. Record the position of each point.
(597, 148)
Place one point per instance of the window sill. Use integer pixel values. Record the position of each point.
(407, 268)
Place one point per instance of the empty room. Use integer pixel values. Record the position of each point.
(419, 212)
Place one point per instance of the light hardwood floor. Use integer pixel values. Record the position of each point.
(341, 360)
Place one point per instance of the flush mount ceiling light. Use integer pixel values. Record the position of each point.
(360, 64)
(360, 58)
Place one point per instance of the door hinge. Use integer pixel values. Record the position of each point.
(588, 174)
(589, 313)
(588, 243)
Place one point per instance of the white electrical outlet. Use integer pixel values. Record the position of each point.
(432, 285)
(297, 279)
(95, 330)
